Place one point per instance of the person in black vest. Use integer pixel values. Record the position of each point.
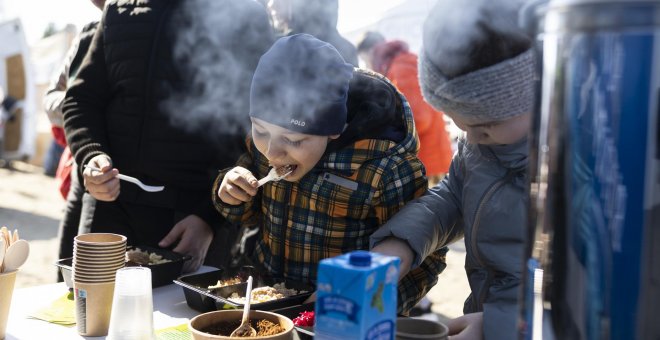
(116, 120)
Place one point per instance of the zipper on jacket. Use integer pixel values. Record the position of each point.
(473, 235)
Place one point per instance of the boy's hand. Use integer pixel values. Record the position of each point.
(238, 186)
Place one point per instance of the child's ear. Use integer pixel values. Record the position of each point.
(333, 136)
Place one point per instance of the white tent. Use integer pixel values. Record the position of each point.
(18, 136)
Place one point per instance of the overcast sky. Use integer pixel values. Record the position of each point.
(36, 14)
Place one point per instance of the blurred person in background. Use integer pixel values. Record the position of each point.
(393, 60)
(315, 17)
(70, 180)
(54, 152)
(8, 107)
(116, 119)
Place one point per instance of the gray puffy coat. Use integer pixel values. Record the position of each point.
(483, 198)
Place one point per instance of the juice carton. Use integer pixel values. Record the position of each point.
(356, 297)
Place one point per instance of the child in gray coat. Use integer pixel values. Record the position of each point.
(482, 76)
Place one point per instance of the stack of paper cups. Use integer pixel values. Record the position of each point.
(96, 259)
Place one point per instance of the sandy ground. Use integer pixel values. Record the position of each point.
(31, 203)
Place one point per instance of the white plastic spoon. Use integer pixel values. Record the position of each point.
(145, 187)
(16, 255)
(245, 329)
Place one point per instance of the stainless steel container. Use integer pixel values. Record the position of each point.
(594, 248)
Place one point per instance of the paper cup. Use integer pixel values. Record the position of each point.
(98, 267)
(101, 251)
(420, 329)
(93, 307)
(96, 256)
(98, 278)
(7, 281)
(95, 240)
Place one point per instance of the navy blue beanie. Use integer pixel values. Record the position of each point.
(301, 84)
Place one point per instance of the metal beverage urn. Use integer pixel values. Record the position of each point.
(593, 266)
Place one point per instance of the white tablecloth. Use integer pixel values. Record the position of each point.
(170, 309)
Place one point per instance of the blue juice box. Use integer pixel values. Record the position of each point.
(356, 297)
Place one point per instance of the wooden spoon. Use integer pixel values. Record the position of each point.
(16, 255)
(5, 235)
(245, 330)
(3, 248)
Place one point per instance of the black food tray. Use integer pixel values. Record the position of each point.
(162, 274)
(200, 298)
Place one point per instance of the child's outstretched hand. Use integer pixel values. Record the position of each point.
(466, 327)
(238, 186)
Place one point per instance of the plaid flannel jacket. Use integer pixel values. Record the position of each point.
(335, 208)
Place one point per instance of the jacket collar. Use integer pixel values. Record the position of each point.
(348, 159)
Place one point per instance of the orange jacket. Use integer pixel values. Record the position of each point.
(435, 149)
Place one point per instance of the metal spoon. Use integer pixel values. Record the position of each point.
(149, 188)
(16, 255)
(245, 330)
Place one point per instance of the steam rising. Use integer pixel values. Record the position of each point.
(453, 27)
(217, 46)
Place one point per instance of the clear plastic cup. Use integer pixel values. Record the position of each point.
(132, 305)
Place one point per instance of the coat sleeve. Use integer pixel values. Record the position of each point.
(56, 92)
(54, 97)
(85, 102)
(402, 184)
(430, 222)
(405, 182)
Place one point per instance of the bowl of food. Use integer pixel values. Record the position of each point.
(219, 325)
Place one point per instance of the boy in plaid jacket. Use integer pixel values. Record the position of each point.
(350, 140)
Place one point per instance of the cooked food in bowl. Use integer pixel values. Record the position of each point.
(262, 326)
(219, 325)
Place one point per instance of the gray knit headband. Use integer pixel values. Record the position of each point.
(494, 93)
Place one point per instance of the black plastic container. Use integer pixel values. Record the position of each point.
(200, 298)
(162, 274)
(66, 268)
